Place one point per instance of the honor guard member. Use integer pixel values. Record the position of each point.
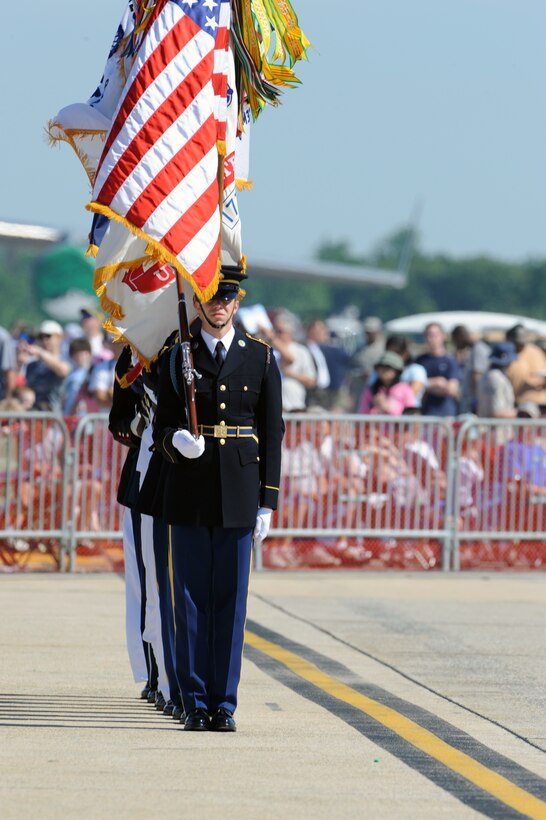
(125, 423)
(156, 530)
(219, 490)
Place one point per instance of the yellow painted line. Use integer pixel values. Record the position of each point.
(495, 784)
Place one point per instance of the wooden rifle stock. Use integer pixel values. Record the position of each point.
(188, 372)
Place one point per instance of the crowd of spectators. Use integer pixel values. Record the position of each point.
(336, 475)
(443, 375)
(68, 371)
(71, 370)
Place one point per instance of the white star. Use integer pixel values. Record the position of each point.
(211, 23)
(210, 4)
(190, 3)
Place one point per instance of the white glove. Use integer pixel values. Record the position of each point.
(187, 445)
(263, 522)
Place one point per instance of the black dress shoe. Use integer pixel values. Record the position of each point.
(152, 694)
(168, 708)
(223, 721)
(145, 692)
(197, 721)
(160, 702)
(178, 714)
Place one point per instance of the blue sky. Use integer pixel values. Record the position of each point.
(441, 103)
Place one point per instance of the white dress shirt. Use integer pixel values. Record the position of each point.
(212, 341)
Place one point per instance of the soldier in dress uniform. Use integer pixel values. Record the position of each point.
(156, 530)
(219, 492)
(125, 424)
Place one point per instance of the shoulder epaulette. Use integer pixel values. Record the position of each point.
(261, 341)
(265, 344)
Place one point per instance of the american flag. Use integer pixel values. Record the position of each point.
(159, 171)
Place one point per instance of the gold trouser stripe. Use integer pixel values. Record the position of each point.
(495, 784)
(171, 575)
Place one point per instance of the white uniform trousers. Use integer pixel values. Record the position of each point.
(152, 628)
(133, 603)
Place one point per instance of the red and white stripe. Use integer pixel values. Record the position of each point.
(159, 167)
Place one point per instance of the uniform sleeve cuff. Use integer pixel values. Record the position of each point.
(269, 497)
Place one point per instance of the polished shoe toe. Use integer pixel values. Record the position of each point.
(160, 702)
(223, 721)
(152, 694)
(178, 714)
(168, 708)
(197, 721)
(145, 692)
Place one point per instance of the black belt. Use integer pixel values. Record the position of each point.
(225, 431)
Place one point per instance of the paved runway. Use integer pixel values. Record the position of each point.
(373, 696)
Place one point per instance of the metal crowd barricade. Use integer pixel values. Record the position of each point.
(359, 485)
(34, 483)
(500, 494)
(95, 514)
(409, 492)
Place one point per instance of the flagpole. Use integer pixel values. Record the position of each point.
(188, 372)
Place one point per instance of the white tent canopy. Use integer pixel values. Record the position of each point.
(475, 320)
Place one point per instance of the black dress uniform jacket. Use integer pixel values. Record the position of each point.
(235, 475)
(125, 405)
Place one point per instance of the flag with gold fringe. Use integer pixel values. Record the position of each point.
(164, 142)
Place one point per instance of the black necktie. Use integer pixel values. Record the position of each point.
(220, 354)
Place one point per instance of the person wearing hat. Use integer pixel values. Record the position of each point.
(91, 325)
(496, 399)
(388, 395)
(529, 410)
(219, 491)
(46, 370)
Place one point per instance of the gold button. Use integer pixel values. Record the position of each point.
(222, 441)
(245, 388)
(257, 458)
(222, 406)
(222, 423)
(223, 387)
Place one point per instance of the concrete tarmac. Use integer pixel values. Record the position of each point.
(363, 695)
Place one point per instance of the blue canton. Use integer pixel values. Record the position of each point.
(206, 13)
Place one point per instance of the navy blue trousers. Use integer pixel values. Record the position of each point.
(161, 555)
(210, 576)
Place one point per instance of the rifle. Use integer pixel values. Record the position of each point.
(189, 374)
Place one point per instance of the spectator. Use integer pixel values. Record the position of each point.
(8, 364)
(365, 359)
(330, 363)
(443, 376)
(496, 399)
(80, 354)
(527, 373)
(388, 395)
(413, 374)
(473, 358)
(47, 372)
(296, 364)
(100, 384)
(91, 325)
(26, 397)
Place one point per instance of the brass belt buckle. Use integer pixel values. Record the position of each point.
(220, 431)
